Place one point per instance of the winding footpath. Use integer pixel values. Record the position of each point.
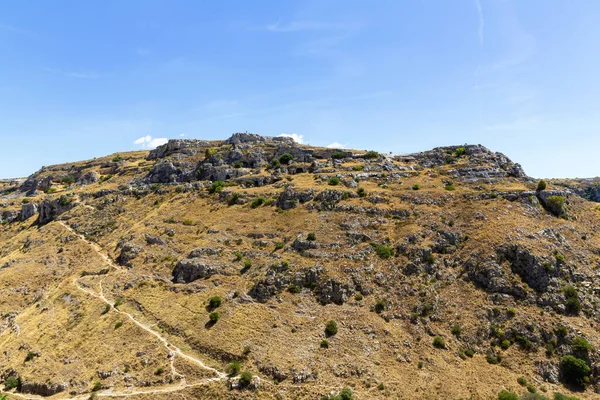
(173, 350)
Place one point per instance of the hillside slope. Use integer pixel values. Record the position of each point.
(446, 275)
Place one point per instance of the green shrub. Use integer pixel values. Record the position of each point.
(233, 368)
(338, 155)
(294, 289)
(558, 396)
(506, 395)
(245, 378)
(416, 186)
(65, 200)
(492, 359)
(369, 155)
(210, 152)
(522, 381)
(511, 312)
(331, 328)
(233, 198)
(361, 192)
(238, 256)
(541, 185)
(334, 181)
(574, 370)
(461, 151)
(214, 302)
(581, 345)
(67, 180)
(555, 204)
(216, 187)
(311, 236)
(118, 302)
(505, 344)
(12, 382)
(456, 330)
(118, 325)
(286, 158)
(380, 306)
(97, 386)
(439, 343)
(247, 263)
(358, 297)
(275, 163)
(324, 344)
(449, 187)
(573, 305)
(117, 158)
(257, 202)
(469, 353)
(188, 222)
(357, 168)
(214, 316)
(346, 394)
(384, 251)
(159, 371)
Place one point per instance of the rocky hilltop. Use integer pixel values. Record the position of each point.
(256, 267)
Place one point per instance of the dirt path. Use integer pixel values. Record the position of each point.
(173, 350)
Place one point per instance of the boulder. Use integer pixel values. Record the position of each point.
(290, 198)
(191, 269)
(28, 210)
(88, 178)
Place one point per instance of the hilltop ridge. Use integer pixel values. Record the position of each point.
(447, 273)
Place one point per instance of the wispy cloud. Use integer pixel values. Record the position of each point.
(337, 145)
(147, 142)
(299, 26)
(74, 74)
(297, 138)
(14, 29)
(481, 21)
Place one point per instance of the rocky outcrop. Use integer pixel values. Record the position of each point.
(536, 271)
(177, 146)
(9, 216)
(290, 198)
(129, 251)
(28, 210)
(88, 178)
(50, 209)
(42, 389)
(168, 172)
(191, 269)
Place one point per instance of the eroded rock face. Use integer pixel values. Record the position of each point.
(535, 271)
(9, 216)
(191, 269)
(42, 389)
(290, 198)
(50, 209)
(167, 172)
(129, 251)
(28, 211)
(88, 178)
(177, 146)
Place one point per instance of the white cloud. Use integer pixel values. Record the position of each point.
(337, 145)
(297, 138)
(298, 26)
(148, 142)
(481, 21)
(182, 135)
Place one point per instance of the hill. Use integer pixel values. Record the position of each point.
(257, 267)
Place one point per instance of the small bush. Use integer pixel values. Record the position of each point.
(118, 303)
(541, 185)
(311, 236)
(118, 325)
(67, 180)
(214, 316)
(331, 328)
(555, 204)
(511, 312)
(492, 359)
(346, 394)
(574, 370)
(286, 158)
(97, 386)
(449, 187)
(210, 152)
(416, 186)
(439, 343)
(338, 155)
(358, 297)
(257, 202)
(506, 395)
(384, 251)
(233, 368)
(573, 305)
(334, 181)
(233, 198)
(461, 151)
(216, 187)
(522, 381)
(245, 378)
(361, 192)
(294, 289)
(117, 158)
(469, 353)
(324, 344)
(238, 256)
(214, 302)
(247, 263)
(12, 382)
(559, 396)
(275, 163)
(505, 344)
(581, 345)
(369, 155)
(357, 168)
(188, 222)
(159, 371)
(456, 330)
(380, 306)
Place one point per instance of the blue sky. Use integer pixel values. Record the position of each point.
(85, 79)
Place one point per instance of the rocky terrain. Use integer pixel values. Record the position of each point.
(258, 268)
